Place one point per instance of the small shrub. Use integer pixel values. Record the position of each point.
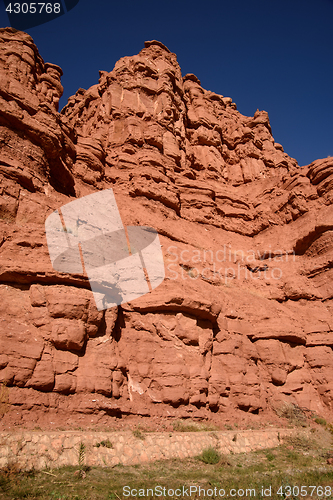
(11, 469)
(294, 413)
(270, 456)
(4, 483)
(190, 426)
(321, 421)
(301, 443)
(105, 444)
(210, 456)
(181, 426)
(138, 434)
(82, 454)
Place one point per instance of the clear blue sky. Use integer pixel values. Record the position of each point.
(275, 55)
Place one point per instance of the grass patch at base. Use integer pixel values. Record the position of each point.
(210, 456)
(300, 461)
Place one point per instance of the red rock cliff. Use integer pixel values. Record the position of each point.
(242, 321)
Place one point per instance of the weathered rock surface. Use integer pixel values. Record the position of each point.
(243, 320)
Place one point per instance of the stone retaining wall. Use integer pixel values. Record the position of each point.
(36, 450)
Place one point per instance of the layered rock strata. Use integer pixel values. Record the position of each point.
(243, 319)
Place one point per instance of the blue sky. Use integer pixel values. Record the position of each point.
(275, 55)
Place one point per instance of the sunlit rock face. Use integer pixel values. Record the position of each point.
(243, 319)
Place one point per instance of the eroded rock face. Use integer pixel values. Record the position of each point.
(36, 144)
(243, 319)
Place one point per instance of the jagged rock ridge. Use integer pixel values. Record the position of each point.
(243, 318)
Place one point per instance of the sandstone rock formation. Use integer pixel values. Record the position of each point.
(243, 320)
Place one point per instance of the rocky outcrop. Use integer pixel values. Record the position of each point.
(243, 319)
(36, 144)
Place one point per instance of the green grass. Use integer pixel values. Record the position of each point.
(321, 421)
(139, 434)
(270, 456)
(210, 456)
(300, 461)
(190, 426)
